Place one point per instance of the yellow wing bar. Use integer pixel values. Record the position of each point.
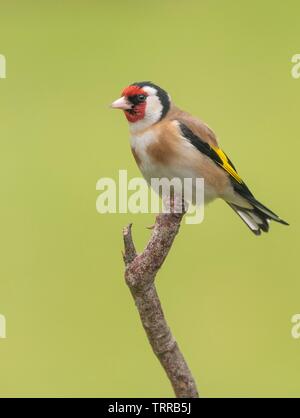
(226, 164)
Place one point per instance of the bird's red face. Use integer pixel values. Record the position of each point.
(144, 104)
(133, 102)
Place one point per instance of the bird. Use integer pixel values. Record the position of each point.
(169, 142)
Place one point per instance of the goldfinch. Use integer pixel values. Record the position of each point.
(168, 142)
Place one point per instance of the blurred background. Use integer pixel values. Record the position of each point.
(72, 327)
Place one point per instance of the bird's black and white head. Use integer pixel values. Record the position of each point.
(144, 104)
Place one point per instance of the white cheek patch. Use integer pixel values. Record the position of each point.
(153, 111)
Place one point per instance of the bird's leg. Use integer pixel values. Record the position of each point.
(173, 204)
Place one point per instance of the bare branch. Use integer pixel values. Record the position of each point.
(140, 275)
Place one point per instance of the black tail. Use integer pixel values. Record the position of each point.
(258, 218)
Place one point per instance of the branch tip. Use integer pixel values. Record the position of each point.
(130, 252)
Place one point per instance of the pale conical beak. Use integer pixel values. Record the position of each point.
(121, 103)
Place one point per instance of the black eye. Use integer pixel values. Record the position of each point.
(137, 99)
(141, 98)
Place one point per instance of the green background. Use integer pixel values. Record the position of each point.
(229, 296)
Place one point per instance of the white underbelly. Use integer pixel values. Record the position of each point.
(187, 177)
